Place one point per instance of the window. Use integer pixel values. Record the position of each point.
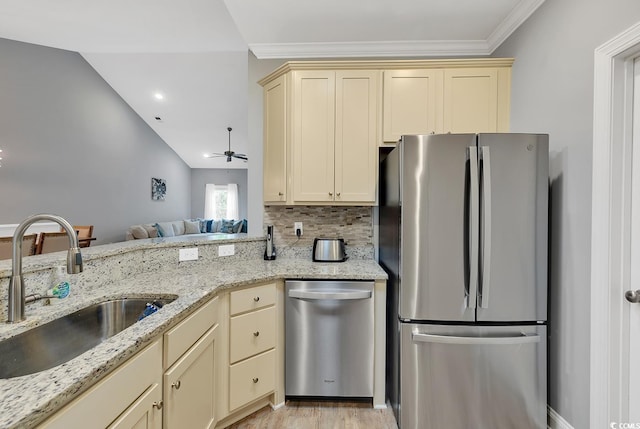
(221, 201)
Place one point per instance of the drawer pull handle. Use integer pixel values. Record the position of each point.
(256, 299)
(255, 334)
(176, 385)
(157, 405)
(280, 194)
(255, 380)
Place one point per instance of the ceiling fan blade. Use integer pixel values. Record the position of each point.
(215, 155)
(241, 156)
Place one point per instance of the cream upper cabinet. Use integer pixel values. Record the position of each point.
(334, 136)
(275, 129)
(356, 138)
(412, 102)
(313, 125)
(475, 100)
(324, 120)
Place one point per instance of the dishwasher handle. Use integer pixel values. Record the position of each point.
(330, 295)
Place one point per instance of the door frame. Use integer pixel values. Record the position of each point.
(610, 223)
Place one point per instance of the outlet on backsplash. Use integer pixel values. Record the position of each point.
(297, 229)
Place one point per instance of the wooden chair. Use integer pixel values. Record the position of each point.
(28, 246)
(52, 242)
(83, 231)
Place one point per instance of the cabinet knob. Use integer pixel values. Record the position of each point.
(176, 385)
(256, 299)
(280, 194)
(157, 405)
(338, 194)
(331, 194)
(257, 333)
(255, 380)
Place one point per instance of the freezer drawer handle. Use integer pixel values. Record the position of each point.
(333, 295)
(448, 339)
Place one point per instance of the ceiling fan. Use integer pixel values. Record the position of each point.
(228, 153)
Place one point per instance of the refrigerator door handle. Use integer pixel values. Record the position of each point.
(448, 339)
(473, 227)
(485, 280)
(331, 295)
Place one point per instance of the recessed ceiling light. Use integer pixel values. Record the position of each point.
(158, 96)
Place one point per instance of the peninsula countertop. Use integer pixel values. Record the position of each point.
(27, 400)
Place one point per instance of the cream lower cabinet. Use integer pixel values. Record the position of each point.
(191, 359)
(143, 414)
(129, 397)
(218, 365)
(254, 374)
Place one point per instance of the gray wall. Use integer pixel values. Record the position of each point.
(72, 146)
(201, 176)
(552, 92)
(257, 70)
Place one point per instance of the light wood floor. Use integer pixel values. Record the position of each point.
(319, 415)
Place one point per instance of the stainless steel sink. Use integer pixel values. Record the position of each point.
(63, 339)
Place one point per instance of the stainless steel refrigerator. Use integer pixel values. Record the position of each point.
(463, 236)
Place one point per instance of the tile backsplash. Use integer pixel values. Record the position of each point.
(354, 224)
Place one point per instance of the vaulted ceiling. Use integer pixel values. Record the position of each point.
(194, 52)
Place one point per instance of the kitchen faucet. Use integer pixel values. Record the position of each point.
(16, 285)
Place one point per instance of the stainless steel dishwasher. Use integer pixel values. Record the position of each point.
(329, 338)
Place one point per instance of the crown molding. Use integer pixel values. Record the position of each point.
(401, 49)
(515, 19)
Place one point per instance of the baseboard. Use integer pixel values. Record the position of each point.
(276, 406)
(555, 420)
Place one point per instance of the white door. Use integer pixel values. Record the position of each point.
(615, 234)
(634, 308)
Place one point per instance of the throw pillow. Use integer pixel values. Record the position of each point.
(226, 226)
(191, 227)
(139, 232)
(212, 226)
(203, 224)
(151, 230)
(178, 227)
(237, 226)
(165, 229)
(244, 226)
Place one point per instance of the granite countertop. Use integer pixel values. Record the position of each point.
(28, 400)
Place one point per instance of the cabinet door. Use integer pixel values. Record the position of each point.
(356, 136)
(313, 135)
(189, 386)
(275, 125)
(471, 100)
(144, 413)
(412, 101)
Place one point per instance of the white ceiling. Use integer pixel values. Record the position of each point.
(195, 51)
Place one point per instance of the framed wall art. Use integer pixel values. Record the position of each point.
(158, 189)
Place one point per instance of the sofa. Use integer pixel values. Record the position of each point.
(186, 226)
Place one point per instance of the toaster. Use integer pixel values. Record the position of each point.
(329, 250)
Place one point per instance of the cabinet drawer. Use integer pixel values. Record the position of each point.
(251, 379)
(179, 338)
(252, 298)
(252, 333)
